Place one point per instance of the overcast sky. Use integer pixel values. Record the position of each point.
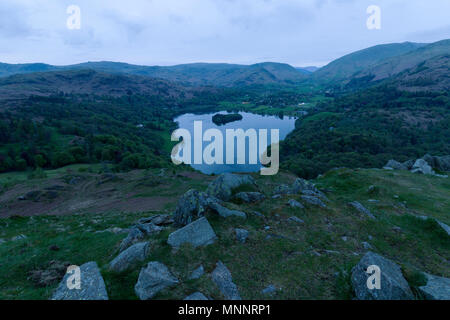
(167, 32)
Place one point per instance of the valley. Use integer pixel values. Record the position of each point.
(86, 176)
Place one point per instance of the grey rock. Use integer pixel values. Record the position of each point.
(196, 296)
(421, 166)
(295, 204)
(149, 228)
(92, 286)
(152, 279)
(366, 245)
(307, 188)
(314, 201)
(395, 165)
(437, 288)
(249, 197)
(296, 220)
(269, 290)
(158, 220)
(130, 257)
(197, 233)
(192, 205)
(225, 212)
(134, 236)
(316, 194)
(197, 273)
(392, 284)
(241, 235)
(277, 196)
(408, 164)
(283, 189)
(221, 276)
(358, 206)
(222, 188)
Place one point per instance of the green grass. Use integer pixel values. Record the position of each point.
(307, 261)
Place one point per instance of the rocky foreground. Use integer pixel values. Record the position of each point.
(240, 234)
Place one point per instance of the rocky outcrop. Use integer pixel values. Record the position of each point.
(222, 188)
(314, 201)
(221, 276)
(393, 285)
(300, 186)
(421, 166)
(152, 279)
(197, 233)
(130, 257)
(191, 206)
(92, 286)
(424, 165)
(358, 206)
(392, 164)
(437, 288)
(249, 197)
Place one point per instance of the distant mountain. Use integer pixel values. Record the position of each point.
(400, 63)
(196, 74)
(85, 82)
(307, 70)
(345, 67)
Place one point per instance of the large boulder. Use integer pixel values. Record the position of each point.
(392, 284)
(358, 206)
(222, 188)
(249, 197)
(92, 286)
(221, 276)
(437, 288)
(395, 165)
(192, 205)
(152, 279)
(130, 257)
(421, 166)
(197, 233)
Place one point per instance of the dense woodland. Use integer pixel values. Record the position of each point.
(368, 128)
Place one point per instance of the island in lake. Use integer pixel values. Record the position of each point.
(221, 119)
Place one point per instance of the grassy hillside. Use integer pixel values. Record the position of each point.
(345, 67)
(402, 62)
(304, 261)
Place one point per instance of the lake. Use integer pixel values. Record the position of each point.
(249, 121)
